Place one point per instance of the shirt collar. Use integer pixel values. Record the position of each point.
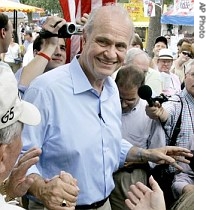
(82, 84)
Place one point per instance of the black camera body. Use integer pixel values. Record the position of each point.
(161, 98)
(66, 31)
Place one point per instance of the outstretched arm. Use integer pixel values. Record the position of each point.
(38, 64)
(162, 155)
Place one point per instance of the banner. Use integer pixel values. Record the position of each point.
(149, 8)
(183, 5)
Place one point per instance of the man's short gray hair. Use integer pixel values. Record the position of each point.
(8, 133)
(133, 52)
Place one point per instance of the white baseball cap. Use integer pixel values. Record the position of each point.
(12, 108)
(165, 54)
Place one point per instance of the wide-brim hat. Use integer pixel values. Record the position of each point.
(165, 54)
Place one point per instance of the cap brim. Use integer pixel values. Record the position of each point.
(165, 57)
(30, 114)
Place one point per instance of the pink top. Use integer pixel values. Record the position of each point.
(170, 83)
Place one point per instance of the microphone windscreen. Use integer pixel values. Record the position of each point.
(145, 92)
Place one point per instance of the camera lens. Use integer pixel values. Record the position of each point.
(71, 28)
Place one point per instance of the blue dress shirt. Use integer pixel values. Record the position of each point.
(80, 130)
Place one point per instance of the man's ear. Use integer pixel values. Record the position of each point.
(3, 33)
(2, 157)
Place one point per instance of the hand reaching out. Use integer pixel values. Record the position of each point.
(142, 197)
(18, 183)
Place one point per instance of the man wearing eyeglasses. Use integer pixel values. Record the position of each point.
(170, 82)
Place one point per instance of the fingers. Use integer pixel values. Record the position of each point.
(177, 166)
(142, 189)
(59, 191)
(71, 189)
(181, 159)
(178, 151)
(154, 185)
(135, 194)
(132, 195)
(48, 180)
(53, 24)
(67, 178)
(31, 153)
(83, 19)
(129, 204)
(26, 161)
(157, 104)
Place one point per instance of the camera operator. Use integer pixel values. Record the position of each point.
(49, 48)
(48, 54)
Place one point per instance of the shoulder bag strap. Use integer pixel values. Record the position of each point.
(176, 129)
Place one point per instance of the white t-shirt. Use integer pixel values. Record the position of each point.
(6, 206)
(12, 53)
(28, 55)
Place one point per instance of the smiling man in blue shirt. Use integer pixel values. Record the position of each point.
(80, 132)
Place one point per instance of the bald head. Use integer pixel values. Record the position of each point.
(110, 14)
(138, 57)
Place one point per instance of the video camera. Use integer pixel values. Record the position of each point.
(66, 31)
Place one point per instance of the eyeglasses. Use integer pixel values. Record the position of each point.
(186, 53)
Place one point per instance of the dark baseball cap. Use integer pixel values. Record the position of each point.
(161, 39)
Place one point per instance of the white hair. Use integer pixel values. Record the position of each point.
(8, 133)
(133, 52)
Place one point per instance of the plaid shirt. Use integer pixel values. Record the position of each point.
(187, 120)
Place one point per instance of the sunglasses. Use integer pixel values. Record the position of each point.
(186, 53)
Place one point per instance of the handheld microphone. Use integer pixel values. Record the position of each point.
(145, 92)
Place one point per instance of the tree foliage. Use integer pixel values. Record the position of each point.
(50, 6)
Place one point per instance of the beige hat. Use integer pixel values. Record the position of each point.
(165, 54)
(12, 108)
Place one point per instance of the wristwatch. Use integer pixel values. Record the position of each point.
(4, 193)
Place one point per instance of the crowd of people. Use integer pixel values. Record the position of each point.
(78, 136)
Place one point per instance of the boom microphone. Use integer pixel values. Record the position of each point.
(145, 92)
